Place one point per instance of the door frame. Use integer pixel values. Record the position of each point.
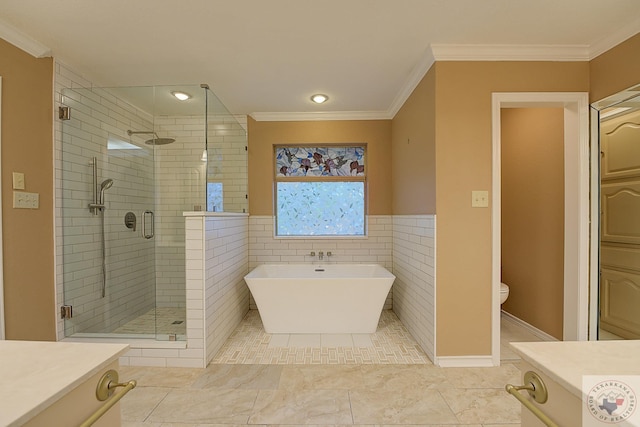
(576, 206)
(594, 251)
(2, 330)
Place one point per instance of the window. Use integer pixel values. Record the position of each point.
(214, 197)
(320, 191)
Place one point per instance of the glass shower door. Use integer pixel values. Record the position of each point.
(107, 185)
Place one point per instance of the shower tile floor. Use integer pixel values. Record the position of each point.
(246, 391)
(390, 344)
(159, 320)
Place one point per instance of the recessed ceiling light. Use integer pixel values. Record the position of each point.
(182, 96)
(319, 98)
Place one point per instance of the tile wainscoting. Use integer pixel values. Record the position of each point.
(414, 291)
(404, 244)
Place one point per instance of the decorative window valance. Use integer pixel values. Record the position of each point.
(320, 161)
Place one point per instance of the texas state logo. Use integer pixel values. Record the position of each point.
(611, 402)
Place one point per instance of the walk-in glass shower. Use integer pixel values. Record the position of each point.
(133, 160)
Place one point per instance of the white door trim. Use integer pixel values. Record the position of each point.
(576, 222)
(594, 287)
(2, 331)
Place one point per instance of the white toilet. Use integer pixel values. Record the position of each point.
(504, 292)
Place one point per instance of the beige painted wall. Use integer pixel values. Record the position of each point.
(532, 200)
(264, 135)
(615, 70)
(463, 164)
(27, 147)
(413, 151)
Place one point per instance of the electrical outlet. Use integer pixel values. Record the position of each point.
(24, 200)
(479, 199)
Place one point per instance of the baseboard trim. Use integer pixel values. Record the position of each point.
(535, 331)
(464, 361)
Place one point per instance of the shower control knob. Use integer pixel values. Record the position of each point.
(130, 220)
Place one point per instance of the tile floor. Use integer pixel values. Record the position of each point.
(159, 320)
(304, 393)
(391, 343)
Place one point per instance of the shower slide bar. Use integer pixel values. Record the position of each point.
(538, 391)
(97, 207)
(98, 195)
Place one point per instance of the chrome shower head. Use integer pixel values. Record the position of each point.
(156, 140)
(159, 141)
(106, 184)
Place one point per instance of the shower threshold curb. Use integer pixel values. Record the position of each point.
(133, 342)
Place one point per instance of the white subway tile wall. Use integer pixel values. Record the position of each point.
(217, 297)
(226, 263)
(414, 290)
(376, 248)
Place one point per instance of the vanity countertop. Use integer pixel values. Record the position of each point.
(567, 361)
(34, 375)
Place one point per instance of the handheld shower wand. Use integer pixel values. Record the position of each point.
(106, 184)
(98, 205)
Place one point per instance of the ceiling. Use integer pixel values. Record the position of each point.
(270, 56)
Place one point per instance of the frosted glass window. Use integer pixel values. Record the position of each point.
(214, 197)
(320, 190)
(320, 209)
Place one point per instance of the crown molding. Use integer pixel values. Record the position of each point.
(504, 52)
(23, 41)
(614, 39)
(317, 116)
(415, 77)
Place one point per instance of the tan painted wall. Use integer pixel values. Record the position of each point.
(532, 152)
(27, 147)
(264, 135)
(463, 164)
(413, 152)
(615, 70)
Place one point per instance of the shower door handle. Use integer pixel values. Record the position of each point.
(150, 215)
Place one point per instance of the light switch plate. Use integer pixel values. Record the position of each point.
(479, 199)
(18, 181)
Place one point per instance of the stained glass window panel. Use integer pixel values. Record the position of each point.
(300, 162)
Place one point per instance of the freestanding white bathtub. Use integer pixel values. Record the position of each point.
(332, 298)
